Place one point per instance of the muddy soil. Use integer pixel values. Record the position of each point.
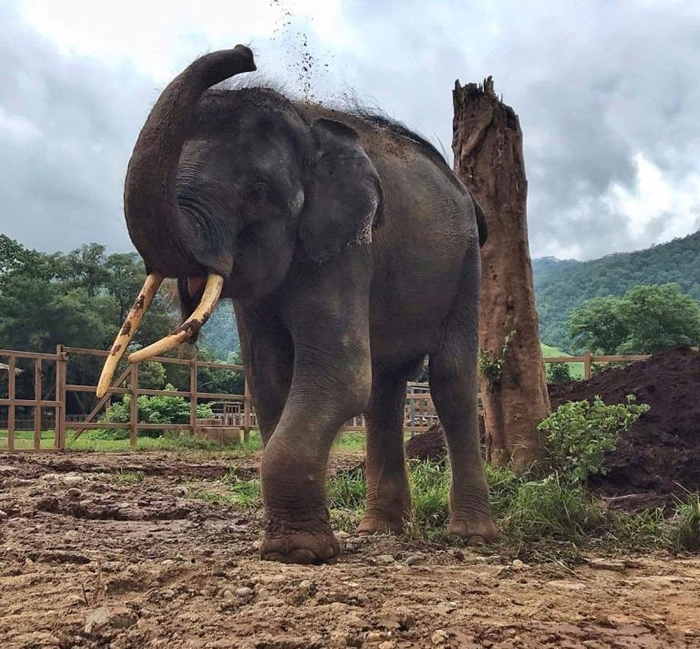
(91, 557)
(659, 456)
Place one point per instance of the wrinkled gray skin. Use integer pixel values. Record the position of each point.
(351, 253)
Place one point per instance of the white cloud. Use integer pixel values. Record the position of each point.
(17, 126)
(656, 196)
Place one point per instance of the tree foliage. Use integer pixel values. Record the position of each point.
(80, 299)
(647, 319)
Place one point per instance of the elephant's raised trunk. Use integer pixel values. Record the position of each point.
(169, 244)
(161, 233)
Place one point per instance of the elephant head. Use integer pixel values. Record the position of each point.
(226, 190)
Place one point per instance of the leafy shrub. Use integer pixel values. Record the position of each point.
(152, 410)
(558, 373)
(580, 433)
(491, 365)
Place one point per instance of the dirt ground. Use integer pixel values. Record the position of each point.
(90, 558)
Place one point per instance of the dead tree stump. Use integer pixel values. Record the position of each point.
(488, 153)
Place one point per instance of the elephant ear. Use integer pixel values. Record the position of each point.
(344, 198)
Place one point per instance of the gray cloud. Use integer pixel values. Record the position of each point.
(63, 166)
(594, 84)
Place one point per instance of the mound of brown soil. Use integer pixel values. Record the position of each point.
(660, 455)
(429, 445)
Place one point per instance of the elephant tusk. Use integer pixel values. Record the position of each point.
(192, 325)
(127, 331)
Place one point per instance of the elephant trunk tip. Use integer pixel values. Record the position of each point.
(246, 56)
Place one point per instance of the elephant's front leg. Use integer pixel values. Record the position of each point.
(331, 384)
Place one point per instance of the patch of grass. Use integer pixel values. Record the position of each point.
(685, 525)
(93, 440)
(646, 530)
(575, 369)
(347, 495)
(127, 477)
(214, 497)
(231, 490)
(551, 508)
(540, 519)
(350, 441)
(24, 439)
(430, 483)
(248, 493)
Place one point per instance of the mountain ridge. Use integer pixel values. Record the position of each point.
(562, 285)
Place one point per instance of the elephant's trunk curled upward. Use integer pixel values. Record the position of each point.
(166, 240)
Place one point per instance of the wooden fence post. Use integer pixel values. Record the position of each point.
(246, 411)
(134, 412)
(59, 441)
(193, 397)
(587, 373)
(37, 407)
(11, 407)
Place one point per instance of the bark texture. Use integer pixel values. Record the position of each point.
(488, 153)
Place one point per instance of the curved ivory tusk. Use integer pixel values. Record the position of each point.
(127, 331)
(192, 325)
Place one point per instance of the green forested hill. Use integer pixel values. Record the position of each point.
(563, 285)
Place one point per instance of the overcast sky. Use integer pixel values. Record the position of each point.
(608, 94)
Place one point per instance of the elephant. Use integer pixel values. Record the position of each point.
(351, 253)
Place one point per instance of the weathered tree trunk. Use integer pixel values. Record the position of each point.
(488, 151)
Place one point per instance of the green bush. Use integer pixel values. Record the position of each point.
(558, 373)
(580, 433)
(152, 410)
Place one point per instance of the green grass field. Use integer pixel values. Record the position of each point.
(92, 440)
(575, 369)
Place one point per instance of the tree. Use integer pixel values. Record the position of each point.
(77, 300)
(598, 326)
(647, 319)
(487, 145)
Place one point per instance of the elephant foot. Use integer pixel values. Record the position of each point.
(475, 531)
(375, 522)
(293, 544)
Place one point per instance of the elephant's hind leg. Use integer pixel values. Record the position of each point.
(453, 386)
(388, 494)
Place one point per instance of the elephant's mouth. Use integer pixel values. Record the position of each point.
(205, 291)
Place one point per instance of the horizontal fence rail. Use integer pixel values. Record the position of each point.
(237, 413)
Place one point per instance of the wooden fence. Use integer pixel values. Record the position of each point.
(588, 359)
(241, 418)
(238, 412)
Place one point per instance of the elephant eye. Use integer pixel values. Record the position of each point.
(257, 191)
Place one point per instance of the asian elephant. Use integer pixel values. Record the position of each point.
(351, 252)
